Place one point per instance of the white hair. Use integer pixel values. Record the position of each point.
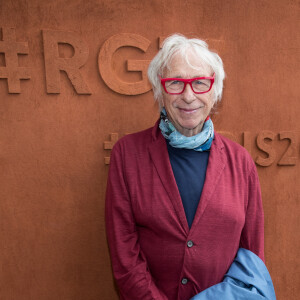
(177, 43)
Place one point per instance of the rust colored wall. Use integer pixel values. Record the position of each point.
(62, 107)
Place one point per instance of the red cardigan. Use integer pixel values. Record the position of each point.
(154, 254)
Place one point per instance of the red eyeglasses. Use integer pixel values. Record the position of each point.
(176, 86)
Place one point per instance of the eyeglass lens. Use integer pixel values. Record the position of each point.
(177, 86)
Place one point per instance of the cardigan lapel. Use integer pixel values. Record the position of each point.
(215, 168)
(160, 158)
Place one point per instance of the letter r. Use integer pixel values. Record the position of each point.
(54, 64)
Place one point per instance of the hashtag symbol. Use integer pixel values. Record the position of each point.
(108, 145)
(12, 72)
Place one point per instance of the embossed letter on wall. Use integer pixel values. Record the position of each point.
(105, 64)
(54, 64)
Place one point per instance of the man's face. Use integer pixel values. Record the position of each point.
(187, 111)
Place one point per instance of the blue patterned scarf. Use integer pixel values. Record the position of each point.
(199, 142)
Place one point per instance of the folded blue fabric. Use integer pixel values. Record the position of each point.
(247, 279)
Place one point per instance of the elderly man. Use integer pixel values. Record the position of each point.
(181, 199)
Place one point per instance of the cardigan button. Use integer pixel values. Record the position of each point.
(190, 244)
(184, 281)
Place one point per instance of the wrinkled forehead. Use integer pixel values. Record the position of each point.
(187, 64)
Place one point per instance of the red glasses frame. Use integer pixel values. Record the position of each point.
(187, 81)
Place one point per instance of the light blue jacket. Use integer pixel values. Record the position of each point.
(246, 279)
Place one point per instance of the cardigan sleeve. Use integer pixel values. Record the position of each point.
(252, 237)
(128, 263)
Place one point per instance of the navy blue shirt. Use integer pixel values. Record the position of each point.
(189, 168)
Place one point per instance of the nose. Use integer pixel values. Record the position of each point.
(188, 95)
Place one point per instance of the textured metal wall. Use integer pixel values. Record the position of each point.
(72, 81)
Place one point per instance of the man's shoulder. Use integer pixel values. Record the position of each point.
(134, 141)
(235, 152)
(228, 143)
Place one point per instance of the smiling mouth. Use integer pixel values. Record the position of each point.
(189, 110)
